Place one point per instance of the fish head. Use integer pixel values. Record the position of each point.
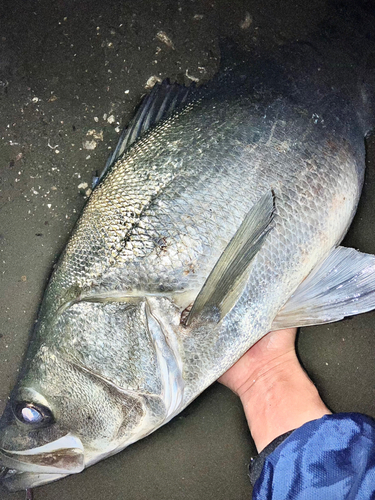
(62, 417)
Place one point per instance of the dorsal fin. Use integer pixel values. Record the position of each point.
(159, 104)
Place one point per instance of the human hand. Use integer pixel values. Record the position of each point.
(275, 391)
(274, 349)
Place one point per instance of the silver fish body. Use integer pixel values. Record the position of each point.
(112, 358)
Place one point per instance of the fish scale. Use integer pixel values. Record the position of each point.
(105, 216)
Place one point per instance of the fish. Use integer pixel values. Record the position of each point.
(218, 218)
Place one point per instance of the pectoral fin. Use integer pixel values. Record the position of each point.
(343, 285)
(228, 278)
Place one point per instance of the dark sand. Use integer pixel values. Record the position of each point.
(65, 68)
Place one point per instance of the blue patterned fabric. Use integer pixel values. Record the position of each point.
(332, 458)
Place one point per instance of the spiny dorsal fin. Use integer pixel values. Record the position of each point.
(225, 282)
(158, 105)
(342, 285)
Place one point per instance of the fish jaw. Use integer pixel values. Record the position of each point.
(31, 467)
(15, 480)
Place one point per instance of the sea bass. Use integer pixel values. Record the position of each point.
(217, 219)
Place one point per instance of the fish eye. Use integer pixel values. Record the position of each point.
(31, 413)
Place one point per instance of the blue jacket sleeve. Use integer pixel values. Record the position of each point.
(326, 459)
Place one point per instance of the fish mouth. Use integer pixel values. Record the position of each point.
(16, 480)
(5, 472)
(28, 468)
(6, 475)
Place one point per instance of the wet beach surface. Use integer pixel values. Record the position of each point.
(71, 75)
